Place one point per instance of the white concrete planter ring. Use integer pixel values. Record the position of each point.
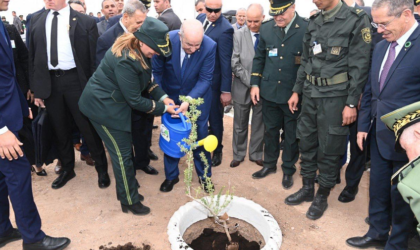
(239, 208)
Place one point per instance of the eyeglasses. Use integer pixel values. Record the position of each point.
(382, 26)
(210, 10)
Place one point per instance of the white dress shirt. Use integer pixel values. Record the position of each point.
(124, 28)
(64, 49)
(401, 44)
(183, 54)
(254, 39)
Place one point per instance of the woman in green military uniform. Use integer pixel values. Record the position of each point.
(115, 89)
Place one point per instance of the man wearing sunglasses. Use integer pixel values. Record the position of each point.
(218, 28)
(395, 83)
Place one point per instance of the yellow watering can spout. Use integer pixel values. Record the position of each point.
(209, 143)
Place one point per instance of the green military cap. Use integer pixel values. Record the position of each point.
(147, 3)
(416, 2)
(401, 119)
(277, 7)
(155, 34)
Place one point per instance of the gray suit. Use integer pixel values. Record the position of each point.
(18, 24)
(102, 27)
(170, 19)
(242, 57)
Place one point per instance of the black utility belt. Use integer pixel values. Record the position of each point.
(60, 72)
(337, 79)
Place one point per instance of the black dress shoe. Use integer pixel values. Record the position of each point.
(136, 209)
(152, 155)
(40, 173)
(103, 180)
(263, 173)
(348, 194)
(14, 235)
(287, 181)
(365, 242)
(234, 164)
(217, 159)
(48, 243)
(63, 178)
(168, 185)
(149, 170)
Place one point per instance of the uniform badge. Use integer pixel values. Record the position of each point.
(335, 51)
(367, 37)
(297, 26)
(358, 11)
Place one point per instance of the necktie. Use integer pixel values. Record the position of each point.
(387, 66)
(206, 25)
(256, 41)
(283, 33)
(184, 66)
(54, 53)
(3, 33)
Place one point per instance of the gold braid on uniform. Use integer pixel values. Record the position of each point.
(153, 108)
(400, 123)
(256, 74)
(153, 88)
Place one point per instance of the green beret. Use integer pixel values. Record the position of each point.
(277, 7)
(401, 119)
(155, 34)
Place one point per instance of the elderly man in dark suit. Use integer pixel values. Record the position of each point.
(395, 82)
(15, 173)
(61, 60)
(167, 14)
(218, 28)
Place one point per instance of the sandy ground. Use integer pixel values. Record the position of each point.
(91, 217)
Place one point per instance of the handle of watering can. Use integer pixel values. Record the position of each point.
(183, 118)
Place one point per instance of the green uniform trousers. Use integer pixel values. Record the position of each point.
(322, 138)
(274, 116)
(119, 146)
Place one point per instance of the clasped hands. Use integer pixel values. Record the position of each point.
(170, 107)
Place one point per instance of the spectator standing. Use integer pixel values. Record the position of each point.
(17, 23)
(167, 14)
(240, 19)
(200, 6)
(120, 5)
(109, 9)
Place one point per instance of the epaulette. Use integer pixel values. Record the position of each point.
(132, 56)
(314, 16)
(358, 11)
(267, 21)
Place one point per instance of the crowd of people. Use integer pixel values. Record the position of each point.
(309, 87)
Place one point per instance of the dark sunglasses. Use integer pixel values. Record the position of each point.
(210, 10)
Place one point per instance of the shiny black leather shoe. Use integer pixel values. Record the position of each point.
(365, 242)
(152, 155)
(14, 235)
(103, 180)
(63, 178)
(168, 185)
(287, 181)
(306, 193)
(136, 209)
(149, 170)
(348, 194)
(40, 173)
(264, 172)
(217, 159)
(48, 243)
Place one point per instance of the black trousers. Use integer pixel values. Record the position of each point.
(141, 132)
(62, 107)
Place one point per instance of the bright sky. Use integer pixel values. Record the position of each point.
(183, 8)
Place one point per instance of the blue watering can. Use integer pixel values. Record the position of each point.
(172, 131)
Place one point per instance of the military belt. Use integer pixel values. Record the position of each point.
(337, 79)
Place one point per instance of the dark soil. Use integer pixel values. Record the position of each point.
(211, 240)
(128, 246)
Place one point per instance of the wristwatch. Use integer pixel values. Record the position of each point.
(350, 106)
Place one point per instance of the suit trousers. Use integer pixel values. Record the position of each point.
(16, 183)
(386, 205)
(274, 116)
(323, 139)
(216, 119)
(120, 149)
(62, 106)
(141, 129)
(240, 131)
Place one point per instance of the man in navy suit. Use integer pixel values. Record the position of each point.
(218, 28)
(188, 72)
(115, 19)
(395, 82)
(15, 170)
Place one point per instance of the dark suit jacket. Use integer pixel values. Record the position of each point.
(221, 32)
(13, 106)
(28, 25)
(83, 37)
(20, 57)
(402, 87)
(106, 41)
(170, 19)
(417, 17)
(113, 20)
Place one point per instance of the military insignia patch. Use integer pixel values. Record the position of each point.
(367, 37)
(335, 51)
(297, 26)
(358, 11)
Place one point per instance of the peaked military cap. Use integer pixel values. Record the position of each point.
(147, 3)
(416, 2)
(401, 119)
(277, 7)
(155, 34)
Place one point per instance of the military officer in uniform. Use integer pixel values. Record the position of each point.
(276, 62)
(115, 89)
(405, 124)
(335, 64)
